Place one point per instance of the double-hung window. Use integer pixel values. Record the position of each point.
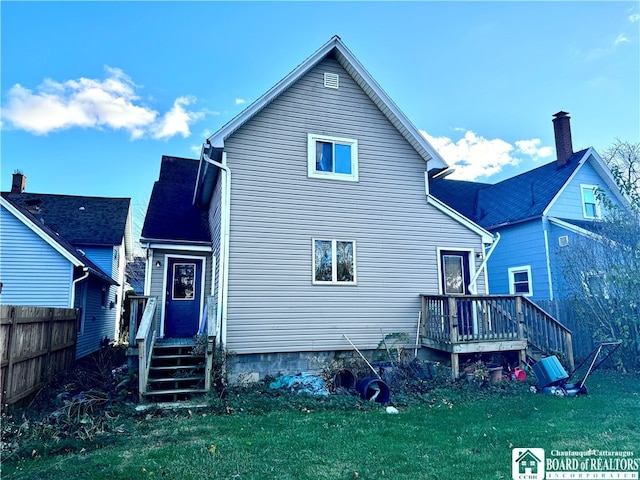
(332, 157)
(590, 204)
(520, 281)
(334, 261)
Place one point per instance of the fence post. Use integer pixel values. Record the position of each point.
(569, 343)
(47, 366)
(10, 344)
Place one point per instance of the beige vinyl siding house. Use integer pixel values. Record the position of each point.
(277, 211)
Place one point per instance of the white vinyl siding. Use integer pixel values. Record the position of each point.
(276, 209)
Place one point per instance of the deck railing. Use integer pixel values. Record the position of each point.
(455, 319)
(145, 338)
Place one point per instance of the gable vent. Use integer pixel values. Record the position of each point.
(563, 241)
(331, 80)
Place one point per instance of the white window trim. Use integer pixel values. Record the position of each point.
(587, 288)
(512, 287)
(334, 269)
(311, 158)
(594, 188)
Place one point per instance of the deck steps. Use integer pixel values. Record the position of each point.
(175, 373)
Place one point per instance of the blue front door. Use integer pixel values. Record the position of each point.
(183, 297)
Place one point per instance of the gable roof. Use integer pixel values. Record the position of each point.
(515, 199)
(80, 220)
(53, 238)
(336, 48)
(527, 455)
(171, 214)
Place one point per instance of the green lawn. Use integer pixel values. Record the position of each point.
(449, 435)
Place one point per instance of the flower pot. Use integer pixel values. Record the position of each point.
(495, 374)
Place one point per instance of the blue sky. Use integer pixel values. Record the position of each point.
(94, 93)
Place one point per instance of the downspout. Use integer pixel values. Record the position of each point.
(472, 284)
(223, 277)
(74, 284)
(547, 256)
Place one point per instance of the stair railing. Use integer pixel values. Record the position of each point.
(145, 339)
(545, 333)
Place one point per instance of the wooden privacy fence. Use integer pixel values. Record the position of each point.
(35, 344)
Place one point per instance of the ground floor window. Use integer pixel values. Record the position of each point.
(520, 281)
(334, 261)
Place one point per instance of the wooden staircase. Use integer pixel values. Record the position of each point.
(470, 324)
(175, 373)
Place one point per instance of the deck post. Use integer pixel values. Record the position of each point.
(423, 320)
(520, 317)
(453, 320)
(453, 335)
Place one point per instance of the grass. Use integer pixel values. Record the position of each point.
(452, 433)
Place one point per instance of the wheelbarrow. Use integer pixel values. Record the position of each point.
(554, 380)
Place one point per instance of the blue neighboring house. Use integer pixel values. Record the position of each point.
(68, 252)
(536, 214)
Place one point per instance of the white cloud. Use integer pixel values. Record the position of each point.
(93, 103)
(621, 39)
(176, 121)
(532, 148)
(240, 101)
(634, 18)
(474, 156)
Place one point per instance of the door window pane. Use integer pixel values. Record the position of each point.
(184, 275)
(453, 274)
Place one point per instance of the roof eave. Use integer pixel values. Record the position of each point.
(487, 237)
(351, 64)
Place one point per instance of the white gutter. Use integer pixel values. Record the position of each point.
(223, 271)
(472, 284)
(74, 283)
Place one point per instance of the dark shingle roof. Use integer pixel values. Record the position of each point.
(514, 199)
(458, 194)
(171, 214)
(62, 242)
(79, 220)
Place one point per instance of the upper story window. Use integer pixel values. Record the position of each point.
(594, 284)
(334, 261)
(520, 281)
(332, 157)
(590, 204)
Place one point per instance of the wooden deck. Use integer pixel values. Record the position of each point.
(463, 324)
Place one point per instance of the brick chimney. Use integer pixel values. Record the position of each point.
(562, 131)
(19, 182)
